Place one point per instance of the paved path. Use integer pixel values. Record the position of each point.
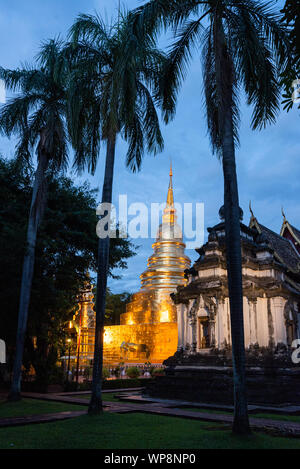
(278, 427)
(40, 418)
(252, 408)
(74, 393)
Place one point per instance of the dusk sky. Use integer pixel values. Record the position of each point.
(268, 162)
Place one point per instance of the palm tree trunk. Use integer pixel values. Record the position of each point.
(225, 77)
(234, 273)
(95, 406)
(35, 216)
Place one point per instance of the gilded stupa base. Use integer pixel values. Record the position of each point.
(140, 343)
(147, 333)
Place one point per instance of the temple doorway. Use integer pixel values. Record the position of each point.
(203, 333)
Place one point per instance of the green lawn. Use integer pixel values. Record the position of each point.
(128, 431)
(106, 396)
(286, 418)
(109, 397)
(34, 406)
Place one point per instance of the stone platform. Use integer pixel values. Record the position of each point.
(214, 384)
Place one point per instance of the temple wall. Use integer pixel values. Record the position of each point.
(227, 321)
(258, 322)
(264, 322)
(149, 307)
(278, 305)
(247, 322)
(150, 342)
(218, 329)
(180, 323)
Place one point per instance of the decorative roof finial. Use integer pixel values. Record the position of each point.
(251, 211)
(283, 214)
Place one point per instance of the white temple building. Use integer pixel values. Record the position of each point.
(271, 290)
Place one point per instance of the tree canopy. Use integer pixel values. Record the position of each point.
(115, 306)
(66, 251)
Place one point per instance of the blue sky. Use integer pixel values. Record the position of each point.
(268, 162)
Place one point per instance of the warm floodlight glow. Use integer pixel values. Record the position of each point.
(164, 316)
(107, 337)
(130, 322)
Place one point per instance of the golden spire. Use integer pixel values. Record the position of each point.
(170, 197)
(169, 212)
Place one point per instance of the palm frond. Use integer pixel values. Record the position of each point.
(38, 113)
(175, 68)
(256, 67)
(153, 136)
(133, 133)
(91, 28)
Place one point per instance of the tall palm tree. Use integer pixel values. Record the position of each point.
(113, 83)
(243, 47)
(37, 115)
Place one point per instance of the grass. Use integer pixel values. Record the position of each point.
(33, 407)
(134, 431)
(128, 431)
(109, 397)
(285, 418)
(106, 396)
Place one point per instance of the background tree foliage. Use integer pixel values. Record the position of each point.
(66, 251)
(115, 306)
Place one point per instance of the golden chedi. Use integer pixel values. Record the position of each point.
(148, 330)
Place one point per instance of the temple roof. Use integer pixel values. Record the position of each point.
(283, 248)
(294, 231)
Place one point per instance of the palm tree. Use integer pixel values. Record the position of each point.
(38, 116)
(112, 96)
(243, 45)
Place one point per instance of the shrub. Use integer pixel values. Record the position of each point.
(158, 372)
(124, 383)
(87, 374)
(74, 387)
(105, 373)
(133, 372)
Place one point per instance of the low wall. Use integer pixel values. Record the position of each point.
(274, 386)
